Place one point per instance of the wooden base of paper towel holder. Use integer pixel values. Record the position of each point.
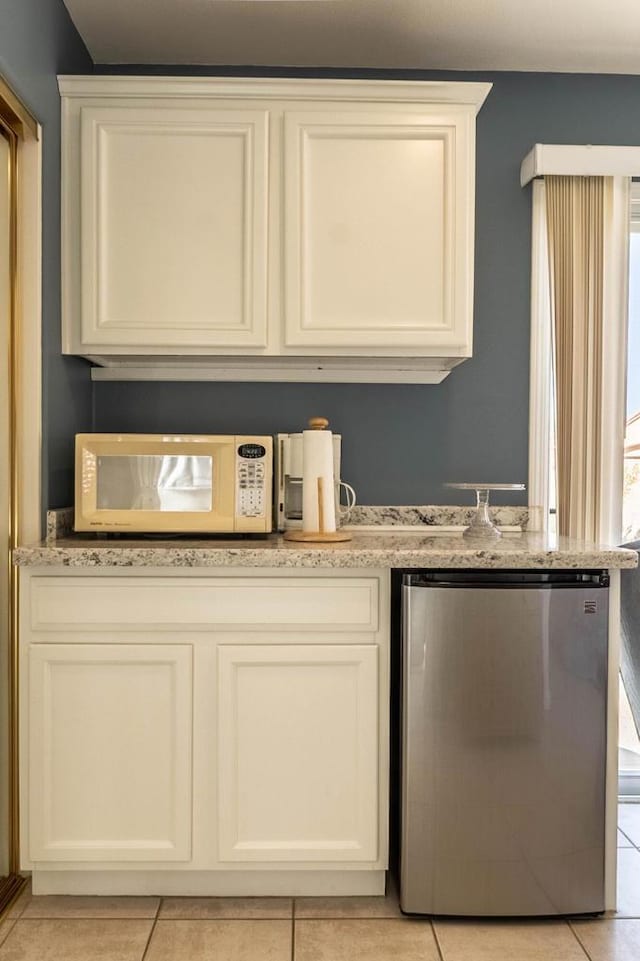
(321, 536)
(324, 537)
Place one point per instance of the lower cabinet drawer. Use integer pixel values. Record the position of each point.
(99, 602)
(110, 753)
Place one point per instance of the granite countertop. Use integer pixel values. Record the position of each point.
(412, 549)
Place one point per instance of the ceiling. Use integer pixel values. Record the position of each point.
(585, 36)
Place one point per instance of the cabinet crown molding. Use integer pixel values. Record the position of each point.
(269, 88)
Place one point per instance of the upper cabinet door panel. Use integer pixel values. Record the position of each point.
(173, 226)
(378, 230)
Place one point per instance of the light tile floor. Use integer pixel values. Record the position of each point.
(313, 929)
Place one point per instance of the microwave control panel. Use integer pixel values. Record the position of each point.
(253, 482)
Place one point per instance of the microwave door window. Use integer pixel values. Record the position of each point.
(155, 482)
(185, 483)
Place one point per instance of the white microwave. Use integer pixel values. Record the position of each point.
(187, 483)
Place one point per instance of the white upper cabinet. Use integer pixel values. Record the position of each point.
(269, 229)
(173, 227)
(378, 231)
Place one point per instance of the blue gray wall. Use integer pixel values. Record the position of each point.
(38, 41)
(402, 443)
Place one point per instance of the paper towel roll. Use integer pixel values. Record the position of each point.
(318, 494)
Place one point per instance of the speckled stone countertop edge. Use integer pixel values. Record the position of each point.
(383, 550)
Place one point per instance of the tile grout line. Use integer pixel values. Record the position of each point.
(437, 941)
(293, 929)
(146, 947)
(11, 923)
(575, 934)
(627, 838)
(153, 927)
(26, 901)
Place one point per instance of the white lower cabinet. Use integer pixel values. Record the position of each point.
(230, 739)
(110, 752)
(298, 752)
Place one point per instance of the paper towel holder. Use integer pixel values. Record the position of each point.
(324, 537)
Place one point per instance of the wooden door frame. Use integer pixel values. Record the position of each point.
(25, 417)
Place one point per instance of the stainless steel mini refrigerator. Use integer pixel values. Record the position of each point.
(503, 742)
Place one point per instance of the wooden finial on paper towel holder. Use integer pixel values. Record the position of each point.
(318, 423)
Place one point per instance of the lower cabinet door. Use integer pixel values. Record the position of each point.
(298, 753)
(110, 752)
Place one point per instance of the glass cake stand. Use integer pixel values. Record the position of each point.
(481, 526)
